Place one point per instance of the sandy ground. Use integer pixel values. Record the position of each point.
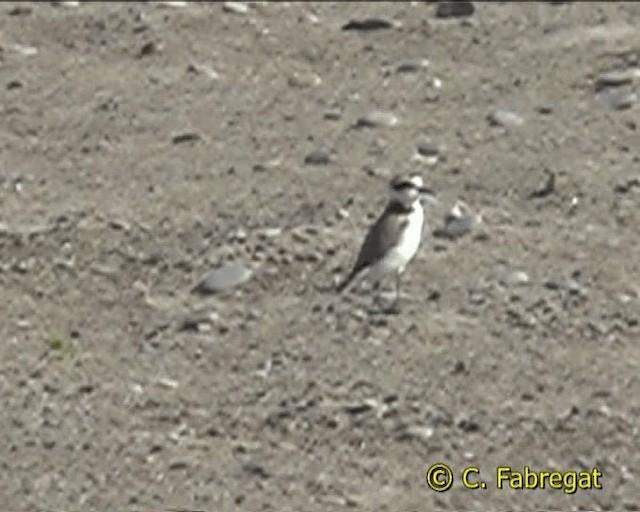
(143, 146)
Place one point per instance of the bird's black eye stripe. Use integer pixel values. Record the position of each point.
(404, 185)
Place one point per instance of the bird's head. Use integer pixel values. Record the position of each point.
(409, 189)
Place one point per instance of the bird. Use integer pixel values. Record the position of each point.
(393, 240)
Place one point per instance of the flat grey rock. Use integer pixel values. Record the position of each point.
(227, 276)
(427, 148)
(320, 156)
(617, 77)
(505, 117)
(514, 278)
(455, 227)
(616, 98)
(454, 9)
(333, 114)
(377, 118)
(460, 221)
(412, 65)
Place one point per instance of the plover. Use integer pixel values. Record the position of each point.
(393, 240)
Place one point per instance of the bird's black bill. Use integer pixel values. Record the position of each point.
(428, 194)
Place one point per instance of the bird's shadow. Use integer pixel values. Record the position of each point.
(388, 310)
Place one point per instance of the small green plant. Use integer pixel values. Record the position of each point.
(61, 344)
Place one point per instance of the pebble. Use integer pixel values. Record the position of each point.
(203, 69)
(313, 19)
(270, 233)
(622, 187)
(359, 314)
(570, 284)
(427, 152)
(454, 9)
(428, 148)
(388, 298)
(168, 383)
(418, 432)
(299, 236)
(575, 288)
(435, 417)
(504, 117)
(569, 413)
(119, 225)
(236, 7)
(321, 156)
(148, 48)
(617, 77)
(27, 51)
(368, 24)
(598, 328)
(179, 464)
(520, 319)
(553, 283)
(197, 324)
(458, 367)
(546, 188)
(341, 501)
(256, 469)
(333, 114)
(515, 278)
(624, 298)
(303, 80)
(185, 137)
(412, 65)
(23, 266)
(227, 276)
(360, 407)
(171, 4)
(20, 11)
(544, 109)
(465, 423)
(239, 236)
(22, 323)
(342, 213)
(460, 221)
(615, 98)
(377, 118)
(67, 4)
(15, 84)
(274, 163)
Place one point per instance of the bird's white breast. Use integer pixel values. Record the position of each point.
(398, 257)
(412, 234)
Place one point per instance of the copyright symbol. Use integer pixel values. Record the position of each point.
(439, 477)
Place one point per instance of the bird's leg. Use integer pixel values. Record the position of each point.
(394, 306)
(376, 293)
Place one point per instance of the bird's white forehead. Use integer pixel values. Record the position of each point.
(416, 180)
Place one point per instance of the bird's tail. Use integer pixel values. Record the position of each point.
(343, 285)
(340, 288)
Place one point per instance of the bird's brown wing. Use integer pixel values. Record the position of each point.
(385, 232)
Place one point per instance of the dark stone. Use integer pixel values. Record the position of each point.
(454, 9)
(368, 24)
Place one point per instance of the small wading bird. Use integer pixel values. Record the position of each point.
(393, 240)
